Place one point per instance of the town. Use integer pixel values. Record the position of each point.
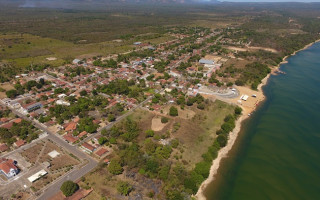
(55, 120)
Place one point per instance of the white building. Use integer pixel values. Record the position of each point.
(8, 167)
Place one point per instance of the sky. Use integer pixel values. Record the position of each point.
(272, 0)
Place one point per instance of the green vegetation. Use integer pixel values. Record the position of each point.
(24, 130)
(253, 73)
(201, 170)
(115, 167)
(164, 120)
(173, 111)
(124, 188)
(68, 188)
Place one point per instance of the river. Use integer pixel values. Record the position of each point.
(277, 155)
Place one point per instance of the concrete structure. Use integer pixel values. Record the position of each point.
(53, 154)
(32, 106)
(205, 61)
(37, 175)
(76, 61)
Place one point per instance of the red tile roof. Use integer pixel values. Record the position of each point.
(17, 121)
(88, 146)
(83, 133)
(70, 138)
(20, 143)
(6, 165)
(3, 147)
(70, 126)
(101, 151)
(8, 125)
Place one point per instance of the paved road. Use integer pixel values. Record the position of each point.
(75, 174)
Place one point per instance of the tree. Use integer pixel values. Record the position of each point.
(83, 93)
(68, 188)
(173, 111)
(42, 82)
(237, 110)
(115, 167)
(111, 118)
(222, 140)
(12, 93)
(124, 188)
(164, 120)
(102, 140)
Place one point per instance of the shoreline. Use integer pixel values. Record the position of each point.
(223, 153)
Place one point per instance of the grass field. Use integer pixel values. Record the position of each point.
(25, 49)
(195, 133)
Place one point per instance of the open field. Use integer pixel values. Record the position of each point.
(25, 49)
(194, 128)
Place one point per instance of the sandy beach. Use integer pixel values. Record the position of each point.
(248, 107)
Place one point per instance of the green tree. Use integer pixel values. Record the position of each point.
(222, 140)
(115, 167)
(173, 111)
(111, 117)
(102, 140)
(68, 188)
(124, 188)
(237, 110)
(83, 93)
(12, 93)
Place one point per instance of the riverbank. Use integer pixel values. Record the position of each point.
(248, 107)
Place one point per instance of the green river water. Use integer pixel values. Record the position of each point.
(277, 155)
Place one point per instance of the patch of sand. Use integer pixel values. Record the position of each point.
(156, 124)
(237, 48)
(264, 48)
(186, 113)
(51, 58)
(252, 48)
(252, 102)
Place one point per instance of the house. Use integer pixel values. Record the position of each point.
(19, 143)
(70, 139)
(7, 125)
(82, 134)
(76, 61)
(3, 147)
(88, 148)
(101, 152)
(71, 126)
(17, 120)
(205, 61)
(8, 167)
(32, 106)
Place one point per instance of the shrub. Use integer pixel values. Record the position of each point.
(149, 133)
(164, 120)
